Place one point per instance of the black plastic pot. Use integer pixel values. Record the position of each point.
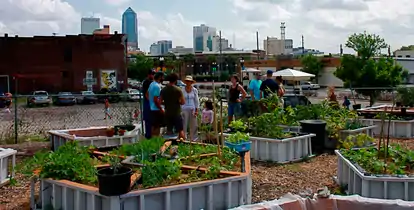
(111, 184)
(318, 128)
(356, 106)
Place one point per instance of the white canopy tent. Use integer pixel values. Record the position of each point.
(251, 70)
(293, 75)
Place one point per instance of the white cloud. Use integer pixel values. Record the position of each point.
(324, 23)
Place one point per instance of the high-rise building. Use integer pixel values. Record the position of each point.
(275, 46)
(89, 25)
(162, 47)
(130, 27)
(203, 38)
(154, 49)
(216, 44)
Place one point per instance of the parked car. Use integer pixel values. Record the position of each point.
(111, 95)
(65, 98)
(310, 86)
(39, 98)
(86, 97)
(132, 94)
(294, 100)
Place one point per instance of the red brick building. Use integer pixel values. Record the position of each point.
(62, 63)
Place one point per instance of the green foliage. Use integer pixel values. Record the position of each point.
(238, 125)
(69, 162)
(406, 96)
(142, 150)
(160, 171)
(365, 72)
(400, 161)
(366, 45)
(355, 141)
(312, 65)
(409, 47)
(238, 138)
(187, 150)
(138, 68)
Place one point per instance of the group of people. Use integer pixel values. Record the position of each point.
(177, 108)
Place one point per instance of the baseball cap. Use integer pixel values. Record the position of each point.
(151, 72)
(269, 72)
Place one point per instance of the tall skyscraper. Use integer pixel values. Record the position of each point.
(130, 27)
(89, 25)
(202, 38)
(161, 47)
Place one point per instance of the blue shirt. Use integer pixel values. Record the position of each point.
(255, 87)
(154, 90)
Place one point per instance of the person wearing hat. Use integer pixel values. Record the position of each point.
(268, 86)
(146, 106)
(190, 108)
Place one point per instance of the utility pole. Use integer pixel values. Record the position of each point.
(303, 45)
(257, 45)
(267, 47)
(221, 54)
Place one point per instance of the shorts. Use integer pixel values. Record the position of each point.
(234, 109)
(175, 122)
(107, 110)
(157, 118)
(8, 103)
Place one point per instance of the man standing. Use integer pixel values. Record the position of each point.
(269, 86)
(255, 88)
(157, 112)
(173, 98)
(146, 106)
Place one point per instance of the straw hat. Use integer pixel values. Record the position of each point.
(189, 78)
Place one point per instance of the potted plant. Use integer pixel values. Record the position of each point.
(121, 132)
(115, 179)
(110, 132)
(239, 142)
(237, 126)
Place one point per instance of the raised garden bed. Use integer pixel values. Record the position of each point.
(7, 156)
(162, 184)
(362, 174)
(280, 150)
(398, 128)
(93, 136)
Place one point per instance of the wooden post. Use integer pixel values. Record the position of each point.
(215, 119)
(221, 123)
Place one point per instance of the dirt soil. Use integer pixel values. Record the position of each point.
(270, 181)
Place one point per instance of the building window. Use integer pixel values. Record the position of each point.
(407, 56)
(400, 56)
(67, 54)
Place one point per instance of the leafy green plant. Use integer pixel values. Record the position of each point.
(238, 125)
(238, 138)
(70, 162)
(143, 150)
(186, 150)
(160, 171)
(358, 140)
(353, 124)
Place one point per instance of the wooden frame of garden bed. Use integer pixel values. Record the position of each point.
(221, 193)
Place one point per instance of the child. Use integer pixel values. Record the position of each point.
(207, 114)
(346, 103)
(107, 109)
(8, 102)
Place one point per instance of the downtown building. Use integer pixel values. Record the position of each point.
(203, 38)
(130, 27)
(89, 25)
(162, 47)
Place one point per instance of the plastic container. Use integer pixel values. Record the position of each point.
(111, 184)
(242, 147)
(398, 128)
(7, 155)
(318, 128)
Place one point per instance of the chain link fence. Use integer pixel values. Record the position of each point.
(30, 117)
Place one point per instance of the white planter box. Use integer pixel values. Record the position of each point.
(369, 130)
(280, 151)
(208, 195)
(7, 156)
(398, 128)
(371, 186)
(291, 128)
(60, 137)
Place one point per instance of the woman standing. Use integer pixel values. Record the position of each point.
(190, 108)
(234, 98)
(281, 91)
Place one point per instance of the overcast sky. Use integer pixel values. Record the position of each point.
(325, 24)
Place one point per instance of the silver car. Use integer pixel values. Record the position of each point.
(39, 98)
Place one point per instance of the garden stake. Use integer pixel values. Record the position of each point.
(221, 124)
(215, 121)
(382, 132)
(388, 134)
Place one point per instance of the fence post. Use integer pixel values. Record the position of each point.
(15, 120)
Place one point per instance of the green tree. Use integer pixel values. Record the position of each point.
(312, 65)
(139, 66)
(409, 47)
(365, 73)
(366, 45)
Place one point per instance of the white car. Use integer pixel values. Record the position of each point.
(310, 86)
(133, 94)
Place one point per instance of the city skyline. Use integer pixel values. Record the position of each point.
(324, 24)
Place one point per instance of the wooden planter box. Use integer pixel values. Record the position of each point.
(280, 150)
(398, 128)
(93, 136)
(373, 186)
(7, 156)
(221, 193)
